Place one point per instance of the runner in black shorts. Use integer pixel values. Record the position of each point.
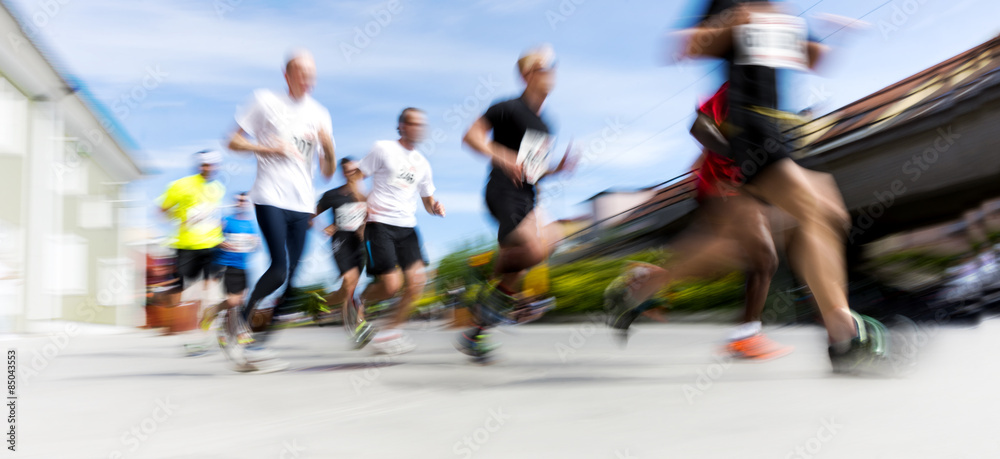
(193, 202)
(347, 242)
(756, 38)
(510, 193)
(400, 173)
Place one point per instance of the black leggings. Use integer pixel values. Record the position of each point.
(282, 229)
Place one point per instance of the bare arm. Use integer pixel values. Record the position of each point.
(328, 160)
(478, 138)
(432, 206)
(238, 142)
(816, 53)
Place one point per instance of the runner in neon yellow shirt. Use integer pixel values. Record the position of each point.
(194, 202)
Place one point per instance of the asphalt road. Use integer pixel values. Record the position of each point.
(559, 391)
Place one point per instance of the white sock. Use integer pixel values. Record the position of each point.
(743, 331)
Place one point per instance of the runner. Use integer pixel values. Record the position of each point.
(347, 241)
(519, 155)
(241, 241)
(399, 173)
(757, 146)
(731, 230)
(286, 133)
(193, 201)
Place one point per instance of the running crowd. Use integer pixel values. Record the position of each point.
(744, 175)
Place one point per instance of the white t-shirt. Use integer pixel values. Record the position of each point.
(397, 176)
(282, 181)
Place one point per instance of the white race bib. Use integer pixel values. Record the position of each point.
(241, 242)
(351, 216)
(533, 156)
(772, 40)
(405, 177)
(202, 218)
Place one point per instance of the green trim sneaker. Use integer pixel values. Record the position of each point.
(868, 352)
(363, 335)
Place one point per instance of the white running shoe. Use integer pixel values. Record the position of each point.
(392, 342)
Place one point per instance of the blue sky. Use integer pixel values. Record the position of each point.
(614, 96)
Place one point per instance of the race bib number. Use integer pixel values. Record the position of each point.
(772, 40)
(241, 242)
(203, 218)
(351, 216)
(305, 147)
(405, 177)
(533, 156)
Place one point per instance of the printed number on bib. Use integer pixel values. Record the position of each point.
(351, 216)
(772, 40)
(533, 156)
(404, 178)
(240, 242)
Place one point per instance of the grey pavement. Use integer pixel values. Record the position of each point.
(559, 391)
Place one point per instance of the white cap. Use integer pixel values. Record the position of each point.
(209, 157)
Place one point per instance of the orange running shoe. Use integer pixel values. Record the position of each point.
(757, 347)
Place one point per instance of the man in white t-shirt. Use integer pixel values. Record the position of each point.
(286, 132)
(399, 173)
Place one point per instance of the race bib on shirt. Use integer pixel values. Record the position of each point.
(202, 218)
(772, 40)
(350, 217)
(533, 156)
(241, 242)
(405, 177)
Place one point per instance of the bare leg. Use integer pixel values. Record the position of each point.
(522, 249)
(385, 287)
(415, 280)
(818, 253)
(344, 295)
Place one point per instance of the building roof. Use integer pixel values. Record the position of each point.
(619, 191)
(957, 79)
(29, 68)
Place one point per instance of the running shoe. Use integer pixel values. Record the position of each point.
(868, 352)
(757, 347)
(392, 342)
(492, 306)
(474, 343)
(363, 335)
(526, 312)
(622, 308)
(206, 321)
